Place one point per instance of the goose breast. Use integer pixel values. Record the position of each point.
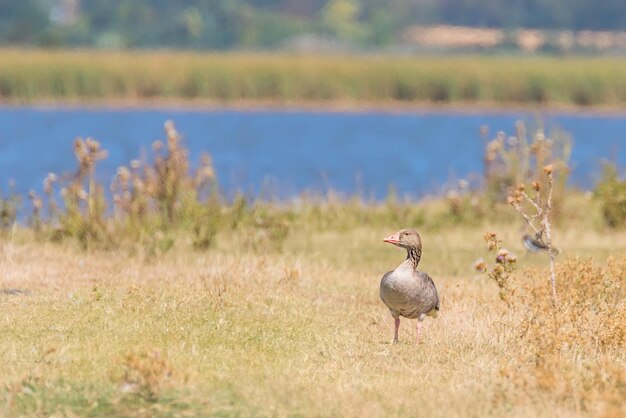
(411, 294)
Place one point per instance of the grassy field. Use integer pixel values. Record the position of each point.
(28, 76)
(238, 331)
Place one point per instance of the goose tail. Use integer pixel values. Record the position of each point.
(434, 312)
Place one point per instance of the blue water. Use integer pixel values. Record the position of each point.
(284, 153)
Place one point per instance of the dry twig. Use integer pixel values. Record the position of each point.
(542, 213)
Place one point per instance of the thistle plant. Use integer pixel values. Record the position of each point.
(167, 185)
(152, 198)
(171, 167)
(84, 216)
(500, 272)
(37, 204)
(511, 160)
(131, 196)
(48, 189)
(536, 212)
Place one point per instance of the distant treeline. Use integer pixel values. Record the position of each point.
(31, 76)
(231, 24)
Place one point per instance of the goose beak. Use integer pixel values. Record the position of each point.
(392, 239)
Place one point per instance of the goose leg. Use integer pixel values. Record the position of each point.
(397, 325)
(419, 331)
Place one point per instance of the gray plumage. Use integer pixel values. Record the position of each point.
(411, 294)
(406, 291)
(533, 244)
(536, 244)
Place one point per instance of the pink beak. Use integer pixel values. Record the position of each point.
(392, 239)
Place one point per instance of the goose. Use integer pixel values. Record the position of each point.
(407, 291)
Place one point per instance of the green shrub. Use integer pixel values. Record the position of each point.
(611, 192)
(8, 211)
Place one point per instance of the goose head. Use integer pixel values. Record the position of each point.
(406, 238)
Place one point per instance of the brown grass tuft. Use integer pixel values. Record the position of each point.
(570, 352)
(145, 374)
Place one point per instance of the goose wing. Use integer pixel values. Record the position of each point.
(429, 291)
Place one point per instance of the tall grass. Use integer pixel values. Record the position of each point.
(159, 199)
(31, 75)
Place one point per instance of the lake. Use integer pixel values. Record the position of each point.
(284, 153)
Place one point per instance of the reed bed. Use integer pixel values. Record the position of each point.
(41, 75)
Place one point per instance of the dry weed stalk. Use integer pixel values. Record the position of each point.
(571, 351)
(84, 216)
(166, 184)
(37, 204)
(48, 189)
(153, 198)
(504, 266)
(171, 170)
(88, 152)
(517, 159)
(539, 221)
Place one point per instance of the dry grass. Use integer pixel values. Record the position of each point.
(237, 331)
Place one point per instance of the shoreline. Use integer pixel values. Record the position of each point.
(331, 106)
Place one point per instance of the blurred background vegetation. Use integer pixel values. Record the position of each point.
(294, 51)
(312, 24)
(159, 200)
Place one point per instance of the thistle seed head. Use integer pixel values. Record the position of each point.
(487, 236)
(536, 185)
(479, 265)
